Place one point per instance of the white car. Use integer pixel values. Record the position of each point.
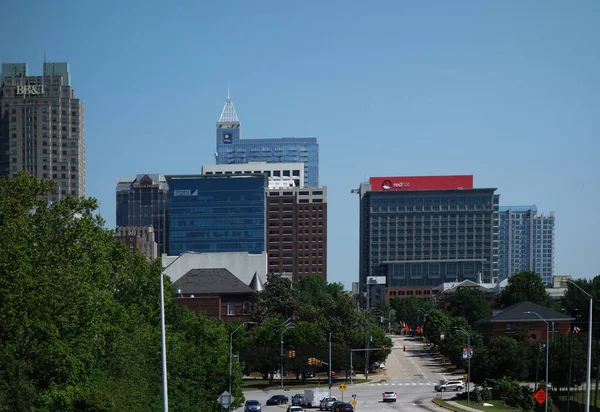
(389, 396)
(450, 386)
(326, 403)
(295, 409)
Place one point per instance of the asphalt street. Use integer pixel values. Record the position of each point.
(411, 374)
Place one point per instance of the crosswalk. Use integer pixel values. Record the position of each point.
(405, 384)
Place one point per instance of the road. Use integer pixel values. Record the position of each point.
(411, 374)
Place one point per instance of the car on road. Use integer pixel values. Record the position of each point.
(335, 406)
(295, 409)
(389, 396)
(325, 404)
(298, 399)
(277, 400)
(252, 406)
(344, 407)
(449, 386)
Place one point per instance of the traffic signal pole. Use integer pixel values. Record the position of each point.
(330, 362)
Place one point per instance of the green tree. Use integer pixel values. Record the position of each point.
(470, 304)
(435, 323)
(277, 298)
(410, 310)
(525, 287)
(505, 356)
(79, 316)
(576, 303)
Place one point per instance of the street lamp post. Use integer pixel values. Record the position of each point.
(469, 362)
(589, 350)
(547, 352)
(281, 351)
(231, 353)
(163, 338)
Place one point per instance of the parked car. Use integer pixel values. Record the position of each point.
(449, 386)
(277, 400)
(389, 396)
(252, 406)
(325, 404)
(295, 409)
(344, 407)
(298, 399)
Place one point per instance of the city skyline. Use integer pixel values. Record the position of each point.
(408, 89)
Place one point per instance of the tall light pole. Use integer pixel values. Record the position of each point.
(231, 353)
(163, 339)
(547, 352)
(281, 350)
(589, 350)
(329, 362)
(469, 361)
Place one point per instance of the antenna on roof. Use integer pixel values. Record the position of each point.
(228, 92)
(45, 59)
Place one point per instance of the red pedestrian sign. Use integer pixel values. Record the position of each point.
(540, 396)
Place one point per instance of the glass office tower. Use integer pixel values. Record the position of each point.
(426, 230)
(217, 213)
(526, 242)
(231, 149)
(142, 202)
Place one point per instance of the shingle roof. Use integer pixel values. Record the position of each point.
(215, 281)
(515, 313)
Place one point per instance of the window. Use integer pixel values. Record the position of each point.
(247, 308)
(230, 309)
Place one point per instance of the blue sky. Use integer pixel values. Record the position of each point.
(506, 91)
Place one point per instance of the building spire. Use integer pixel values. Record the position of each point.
(228, 117)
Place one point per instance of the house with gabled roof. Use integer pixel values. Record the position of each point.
(521, 319)
(217, 293)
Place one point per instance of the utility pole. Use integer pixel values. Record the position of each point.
(330, 362)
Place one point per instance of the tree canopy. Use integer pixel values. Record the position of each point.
(470, 304)
(79, 316)
(525, 287)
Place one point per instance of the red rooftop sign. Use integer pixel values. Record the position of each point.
(421, 182)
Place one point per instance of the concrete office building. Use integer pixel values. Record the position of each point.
(526, 242)
(281, 175)
(42, 127)
(139, 238)
(231, 149)
(420, 231)
(297, 232)
(142, 202)
(220, 213)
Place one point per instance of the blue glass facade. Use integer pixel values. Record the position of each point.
(280, 150)
(217, 214)
(526, 242)
(231, 149)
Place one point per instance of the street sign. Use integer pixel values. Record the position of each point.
(342, 387)
(354, 403)
(540, 396)
(226, 399)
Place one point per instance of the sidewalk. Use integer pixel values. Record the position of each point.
(462, 407)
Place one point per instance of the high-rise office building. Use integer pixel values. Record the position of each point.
(425, 230)
(220, 213)
(232, 149)
(281, 175)
(297, 232)
(42, 128)
(142, 202)
(526, 242)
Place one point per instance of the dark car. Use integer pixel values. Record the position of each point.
(297, 399)
(252, 406)
(344, 407)
(335, 406)
(277, 400)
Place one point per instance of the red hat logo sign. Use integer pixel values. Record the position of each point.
(386, 185)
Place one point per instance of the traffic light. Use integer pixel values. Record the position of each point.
(319, 362)
(312, 361)
(292, 354)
